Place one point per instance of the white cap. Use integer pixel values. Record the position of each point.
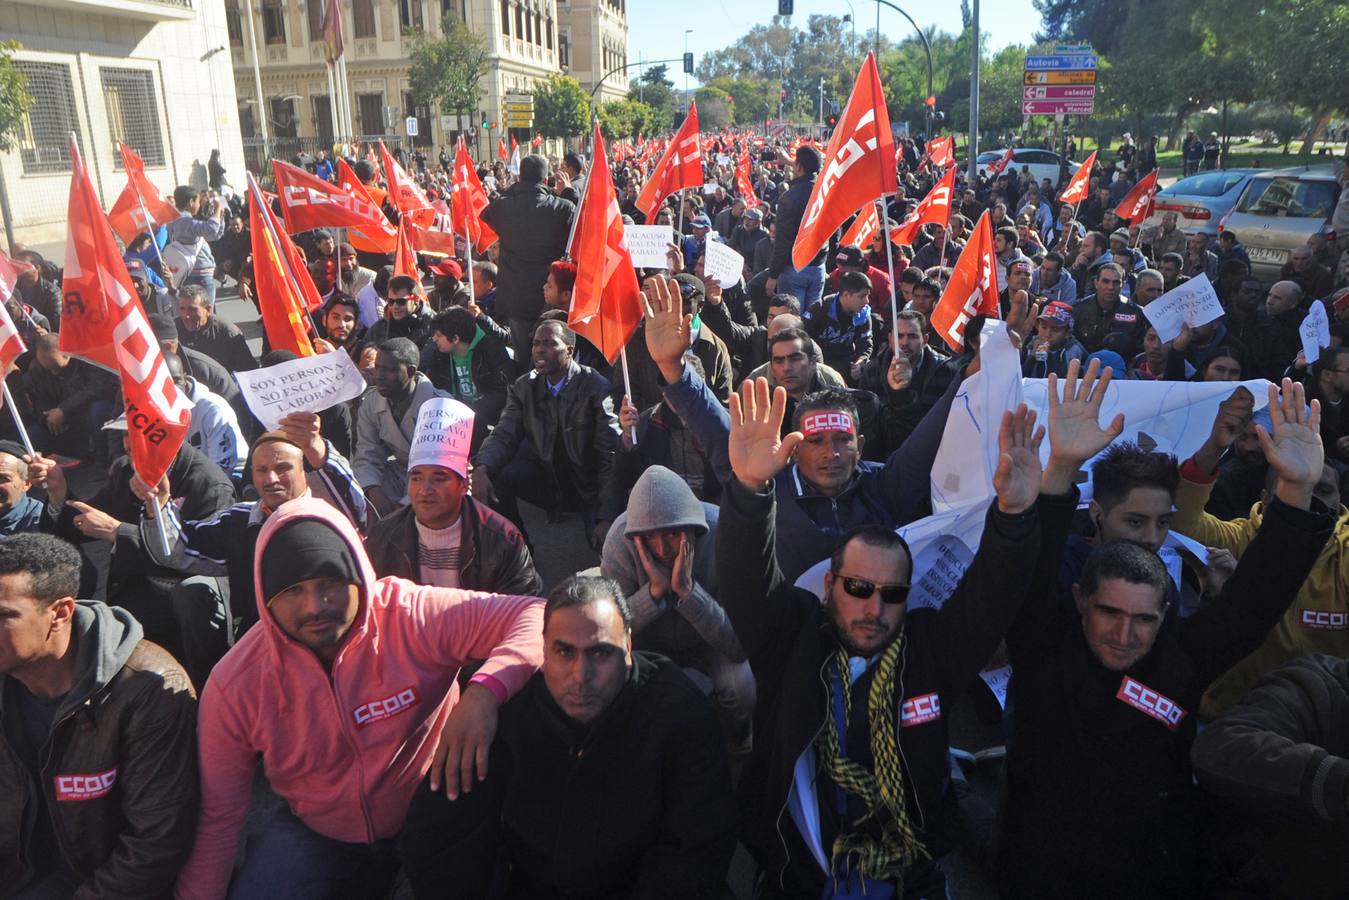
(444, 430)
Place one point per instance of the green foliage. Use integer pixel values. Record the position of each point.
(561, 107)
(656, 91)
(626, 119)
(15, 101)
(444, 72)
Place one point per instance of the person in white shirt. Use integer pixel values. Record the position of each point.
(215, 428)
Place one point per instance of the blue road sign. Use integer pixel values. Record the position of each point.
(1074, 61)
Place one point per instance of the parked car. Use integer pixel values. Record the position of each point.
(1201, 201)
(1043, 163)
(1279, 210)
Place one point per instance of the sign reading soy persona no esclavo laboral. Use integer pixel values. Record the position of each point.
(1062, 83)
(309, 384)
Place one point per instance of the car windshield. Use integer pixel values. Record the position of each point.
(1288, 197)
(1209, 184)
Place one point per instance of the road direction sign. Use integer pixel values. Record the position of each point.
(1070, 76)
(1059, 92)
(1054, 107)
(1068, 61)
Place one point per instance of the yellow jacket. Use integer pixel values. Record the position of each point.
(1317, 621)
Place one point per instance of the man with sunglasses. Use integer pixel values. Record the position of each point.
(852, 782)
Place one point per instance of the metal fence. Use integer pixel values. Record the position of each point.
(258, 154)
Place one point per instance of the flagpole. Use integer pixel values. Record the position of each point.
(332, 102)
(627, 384)
(581, 201)
(150, 223)
(679, 232)
(890, 264)
(255, 196)
(18, 420)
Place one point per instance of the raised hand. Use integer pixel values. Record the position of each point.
(1294, 450)
(1017, 479)
(1233, 414)
(1075, 432)
(667, 327)
(758, 451)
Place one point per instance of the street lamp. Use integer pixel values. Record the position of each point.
(927, 48)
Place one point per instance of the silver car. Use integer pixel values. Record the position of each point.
(1278, 211)
(1200, 201)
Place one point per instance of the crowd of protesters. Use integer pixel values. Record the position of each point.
(325, 664)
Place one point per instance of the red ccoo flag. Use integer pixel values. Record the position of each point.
(681, 167)
(972, 290)
(941, 152)
(406, 196)
(1137, 204)
(381, 239)
(744, 184)
(863, 228)
(405, 258)
(140, 206)
(606, 304)
(10, 270)
(935, 207)
(469, 200)
(858, 166)
(1075, 191)
(285, 291)
(309, 202)
(997, 166)
(102, 320)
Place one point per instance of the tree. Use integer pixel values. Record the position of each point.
(713, 110)
(444, 72)
(15, 101)
(1303, 41)
(561, 107)
(656, 91)
(623, 119)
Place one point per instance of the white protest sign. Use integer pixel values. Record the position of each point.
(1193, 303)
(722, 264)
(1178, 541)
(648, 245)
(444, 431)
(308, 384)
(998, 680)
(723, 159)
(710, 188)
(1315, 332)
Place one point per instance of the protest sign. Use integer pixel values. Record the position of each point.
(723, 159)
(308, 384)
(648, 245)
(1315, 332)
(444, 430)
(722, 264)
(1193, 303)
(710, 188)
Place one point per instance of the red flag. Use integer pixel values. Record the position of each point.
(331, 28)
(997, 166)
(863, 228)
(1076, 189)
(681, 167)
(941, 152)
(743, 184)
(11, 344)
(502, 153)
(469, 200)
(972, 290)
(1137, 204)
(858, 166)
(10, 270)
(284, 289)
(605, 301)
(405, 259)
(407, 197)
(102, 320)
(308, 202)
(381, 239)
(935, 207)
(139, 199)
(537, 142)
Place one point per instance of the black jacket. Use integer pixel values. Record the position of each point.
(492, 370)
(901, 411)
(1093, 325)
(791, 209)
(492, 551)
(1099, 796)
(789, 639)
(533, 224)
(588, 435)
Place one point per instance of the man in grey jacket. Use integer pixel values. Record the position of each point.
(193, 235)
(661, 551)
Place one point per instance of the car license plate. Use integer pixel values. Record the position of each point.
(1266, 255)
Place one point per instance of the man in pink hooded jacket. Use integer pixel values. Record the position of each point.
(346, 691)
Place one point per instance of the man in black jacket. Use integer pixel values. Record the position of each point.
(910, 384)
(1102, 314)
(805, 284)
(851, 783)
(606, 780)
(98, 760)
(533, 224)
(471, 364)
(1099, 796)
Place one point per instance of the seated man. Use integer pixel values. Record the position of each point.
(201, 329)
(1100, 795)
(100, 757)
(444, 537)
(554, 444)
(346, 693)
(339, 326)
(747, 344)
(911, 383)
(405, 313)
(606, 778)
(19, 513)
(809, 369)
(645, 386)
(1099, 315)
(386, 421)
(851, 783)
(660, 551)
(841, 324)
(205, 370)
(214, 429)
(70, 399)
(470, 364)
(215, 606)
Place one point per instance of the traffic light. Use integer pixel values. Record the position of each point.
(730, 99)
(784, 7)
(831, 121)
(484, 121)
(931, 101)
(688, 63)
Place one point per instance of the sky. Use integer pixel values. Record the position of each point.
(656, 27)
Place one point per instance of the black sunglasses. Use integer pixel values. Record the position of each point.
(891, 594)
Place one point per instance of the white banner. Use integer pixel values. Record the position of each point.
(648, 245)
(1193, 303)
(308, 384)
(722, 264)
(1315, 332)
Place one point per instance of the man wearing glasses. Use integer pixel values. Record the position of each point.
(1099, 316)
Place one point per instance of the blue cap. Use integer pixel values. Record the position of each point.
(700, 222)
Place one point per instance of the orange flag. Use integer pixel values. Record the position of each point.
(537, 142)
(1076, 189)
(140, 206)
(102, 320)
(997, 166)
(381, 239)
(405, 258)
(1137, 204)
(858, 166)
(681, 167)
(407, 197)
(469, 200)
(606, 302)
(941, 152)
(935, 207)
(743, 184)
(285, 292)
(973, 288)
(501, 149)
(863, 228)
(309, 202)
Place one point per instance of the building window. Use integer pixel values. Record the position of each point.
(273, 22)
(285, 123)
(44, 144)
(423, 116)
(323, 118)
(519, 21)
(370, 108)
(548, 33)
(247, 128)
(233, 23)
(529, 27)
(505, 17)
(410, 14)
(363, 11)
(314, 13)
(563, 51)
(538, 28)
(133, 113)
